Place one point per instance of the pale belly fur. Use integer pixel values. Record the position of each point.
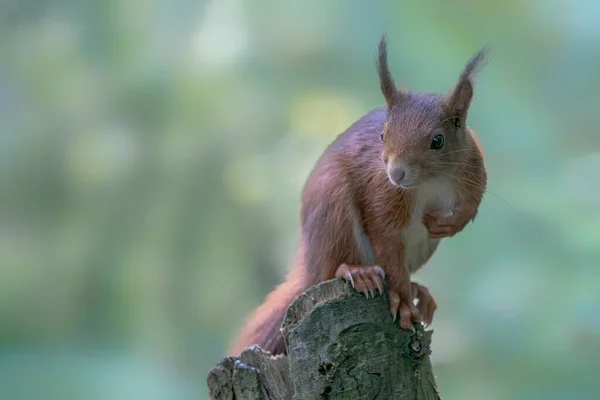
(419, 247)
(438, 195)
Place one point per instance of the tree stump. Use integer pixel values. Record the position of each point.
(340, 345)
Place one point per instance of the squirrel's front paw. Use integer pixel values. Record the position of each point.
(441, 226)
(363, 279)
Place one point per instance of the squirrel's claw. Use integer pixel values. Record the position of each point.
(364, 279)
(426, 305)
(407, 310)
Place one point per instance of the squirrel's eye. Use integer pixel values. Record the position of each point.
(437, 142)
(382, 136)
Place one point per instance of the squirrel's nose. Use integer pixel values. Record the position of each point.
(397, 174)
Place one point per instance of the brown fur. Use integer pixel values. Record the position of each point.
(348, 192)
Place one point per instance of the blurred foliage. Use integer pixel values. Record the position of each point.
(153, 153)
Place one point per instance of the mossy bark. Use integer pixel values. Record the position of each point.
(340, 345)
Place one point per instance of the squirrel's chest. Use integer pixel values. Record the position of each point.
(418, 246)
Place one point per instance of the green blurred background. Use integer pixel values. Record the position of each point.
(153, 152)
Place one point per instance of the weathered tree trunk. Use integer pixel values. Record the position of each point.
(340, 345)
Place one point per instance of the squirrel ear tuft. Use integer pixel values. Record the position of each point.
(386, 81)
(458, 100)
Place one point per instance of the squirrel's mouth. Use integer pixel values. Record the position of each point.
(406, 185)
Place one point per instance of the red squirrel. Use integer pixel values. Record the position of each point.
(380, 199)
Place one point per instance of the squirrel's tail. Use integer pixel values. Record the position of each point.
(263, 326)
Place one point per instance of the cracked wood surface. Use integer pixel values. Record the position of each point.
(340, 345)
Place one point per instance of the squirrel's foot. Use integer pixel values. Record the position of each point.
(403, 305)
(363, 279)
(441, 226)
(426, 304)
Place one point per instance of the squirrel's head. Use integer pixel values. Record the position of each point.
(425, 135)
